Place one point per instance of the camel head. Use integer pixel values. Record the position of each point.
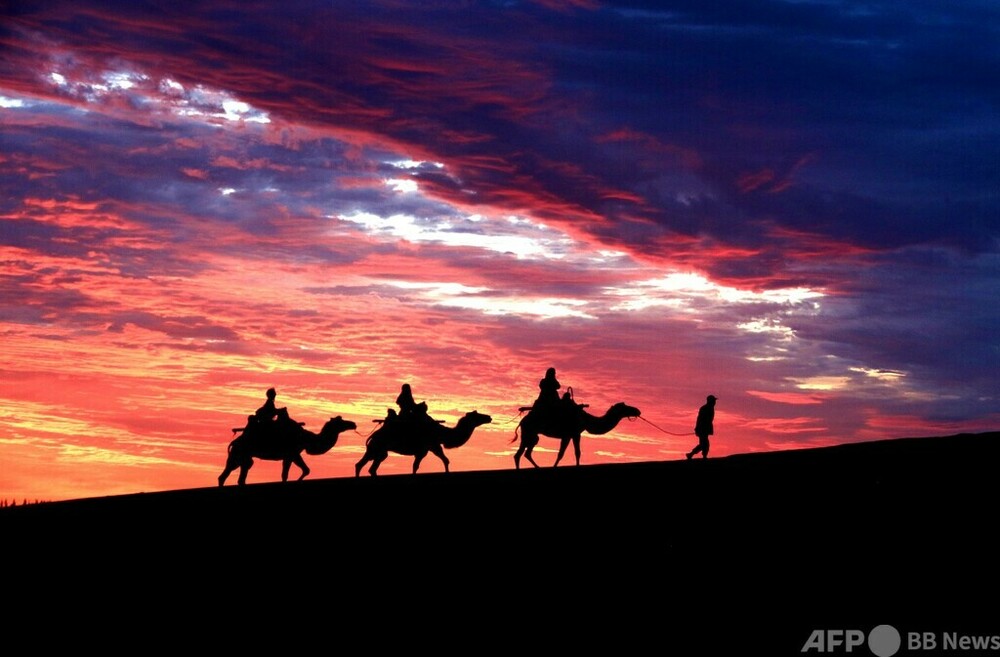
(338, 425)
(476, 419)
(458, 436)
(328, 435)
(624, 410)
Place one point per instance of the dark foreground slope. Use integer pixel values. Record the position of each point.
(748, 550)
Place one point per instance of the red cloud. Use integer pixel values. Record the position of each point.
(200, 174)
(794, 398)
(748, 182)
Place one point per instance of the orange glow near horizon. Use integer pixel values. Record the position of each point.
(123, 383)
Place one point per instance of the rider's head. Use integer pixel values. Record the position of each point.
(271, 394)
(550, 373)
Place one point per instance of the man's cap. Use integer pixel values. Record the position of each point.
(712, 398)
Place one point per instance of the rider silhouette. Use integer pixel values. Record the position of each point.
(268, 411)
(409, 410)
(548, 391)
(405, 401)
(268, 417)
(548, 404)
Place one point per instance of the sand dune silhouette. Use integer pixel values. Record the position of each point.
(791, 540)
(899, 475)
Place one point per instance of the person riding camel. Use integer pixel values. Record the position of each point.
(265, 419)
(407, 406)
(548, 389)
(268, 412)
(409, 410)
(548, 404)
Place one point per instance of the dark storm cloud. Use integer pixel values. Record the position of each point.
(888, 103)
(753, 88)
(935, 317)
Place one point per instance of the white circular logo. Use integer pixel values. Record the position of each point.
(884, 641)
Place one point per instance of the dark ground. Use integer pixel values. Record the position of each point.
(739, 555)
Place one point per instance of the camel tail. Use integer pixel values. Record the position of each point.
(516, 436)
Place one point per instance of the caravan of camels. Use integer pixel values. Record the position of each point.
(270, 433)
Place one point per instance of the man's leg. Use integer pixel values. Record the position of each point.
(697, 448)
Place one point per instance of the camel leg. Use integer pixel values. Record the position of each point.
(244, 469)
(576, 448)
(527, 455)
(286, 465)
(528, 442)
(377, 461)
(360, 464)
(417, 458)
(563, 444)
(517, 456)
(438, 452)
(299, 461)
(225, 473)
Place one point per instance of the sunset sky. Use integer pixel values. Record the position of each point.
(793, 205)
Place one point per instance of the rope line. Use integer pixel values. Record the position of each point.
(511, 419)
(365, 435)
(664, 430)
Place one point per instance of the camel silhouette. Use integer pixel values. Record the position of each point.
(567, 427)
(416, 437)
(284, 442)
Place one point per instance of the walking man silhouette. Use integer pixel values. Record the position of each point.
(703, 427)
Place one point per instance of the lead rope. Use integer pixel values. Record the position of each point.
(662, 429)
